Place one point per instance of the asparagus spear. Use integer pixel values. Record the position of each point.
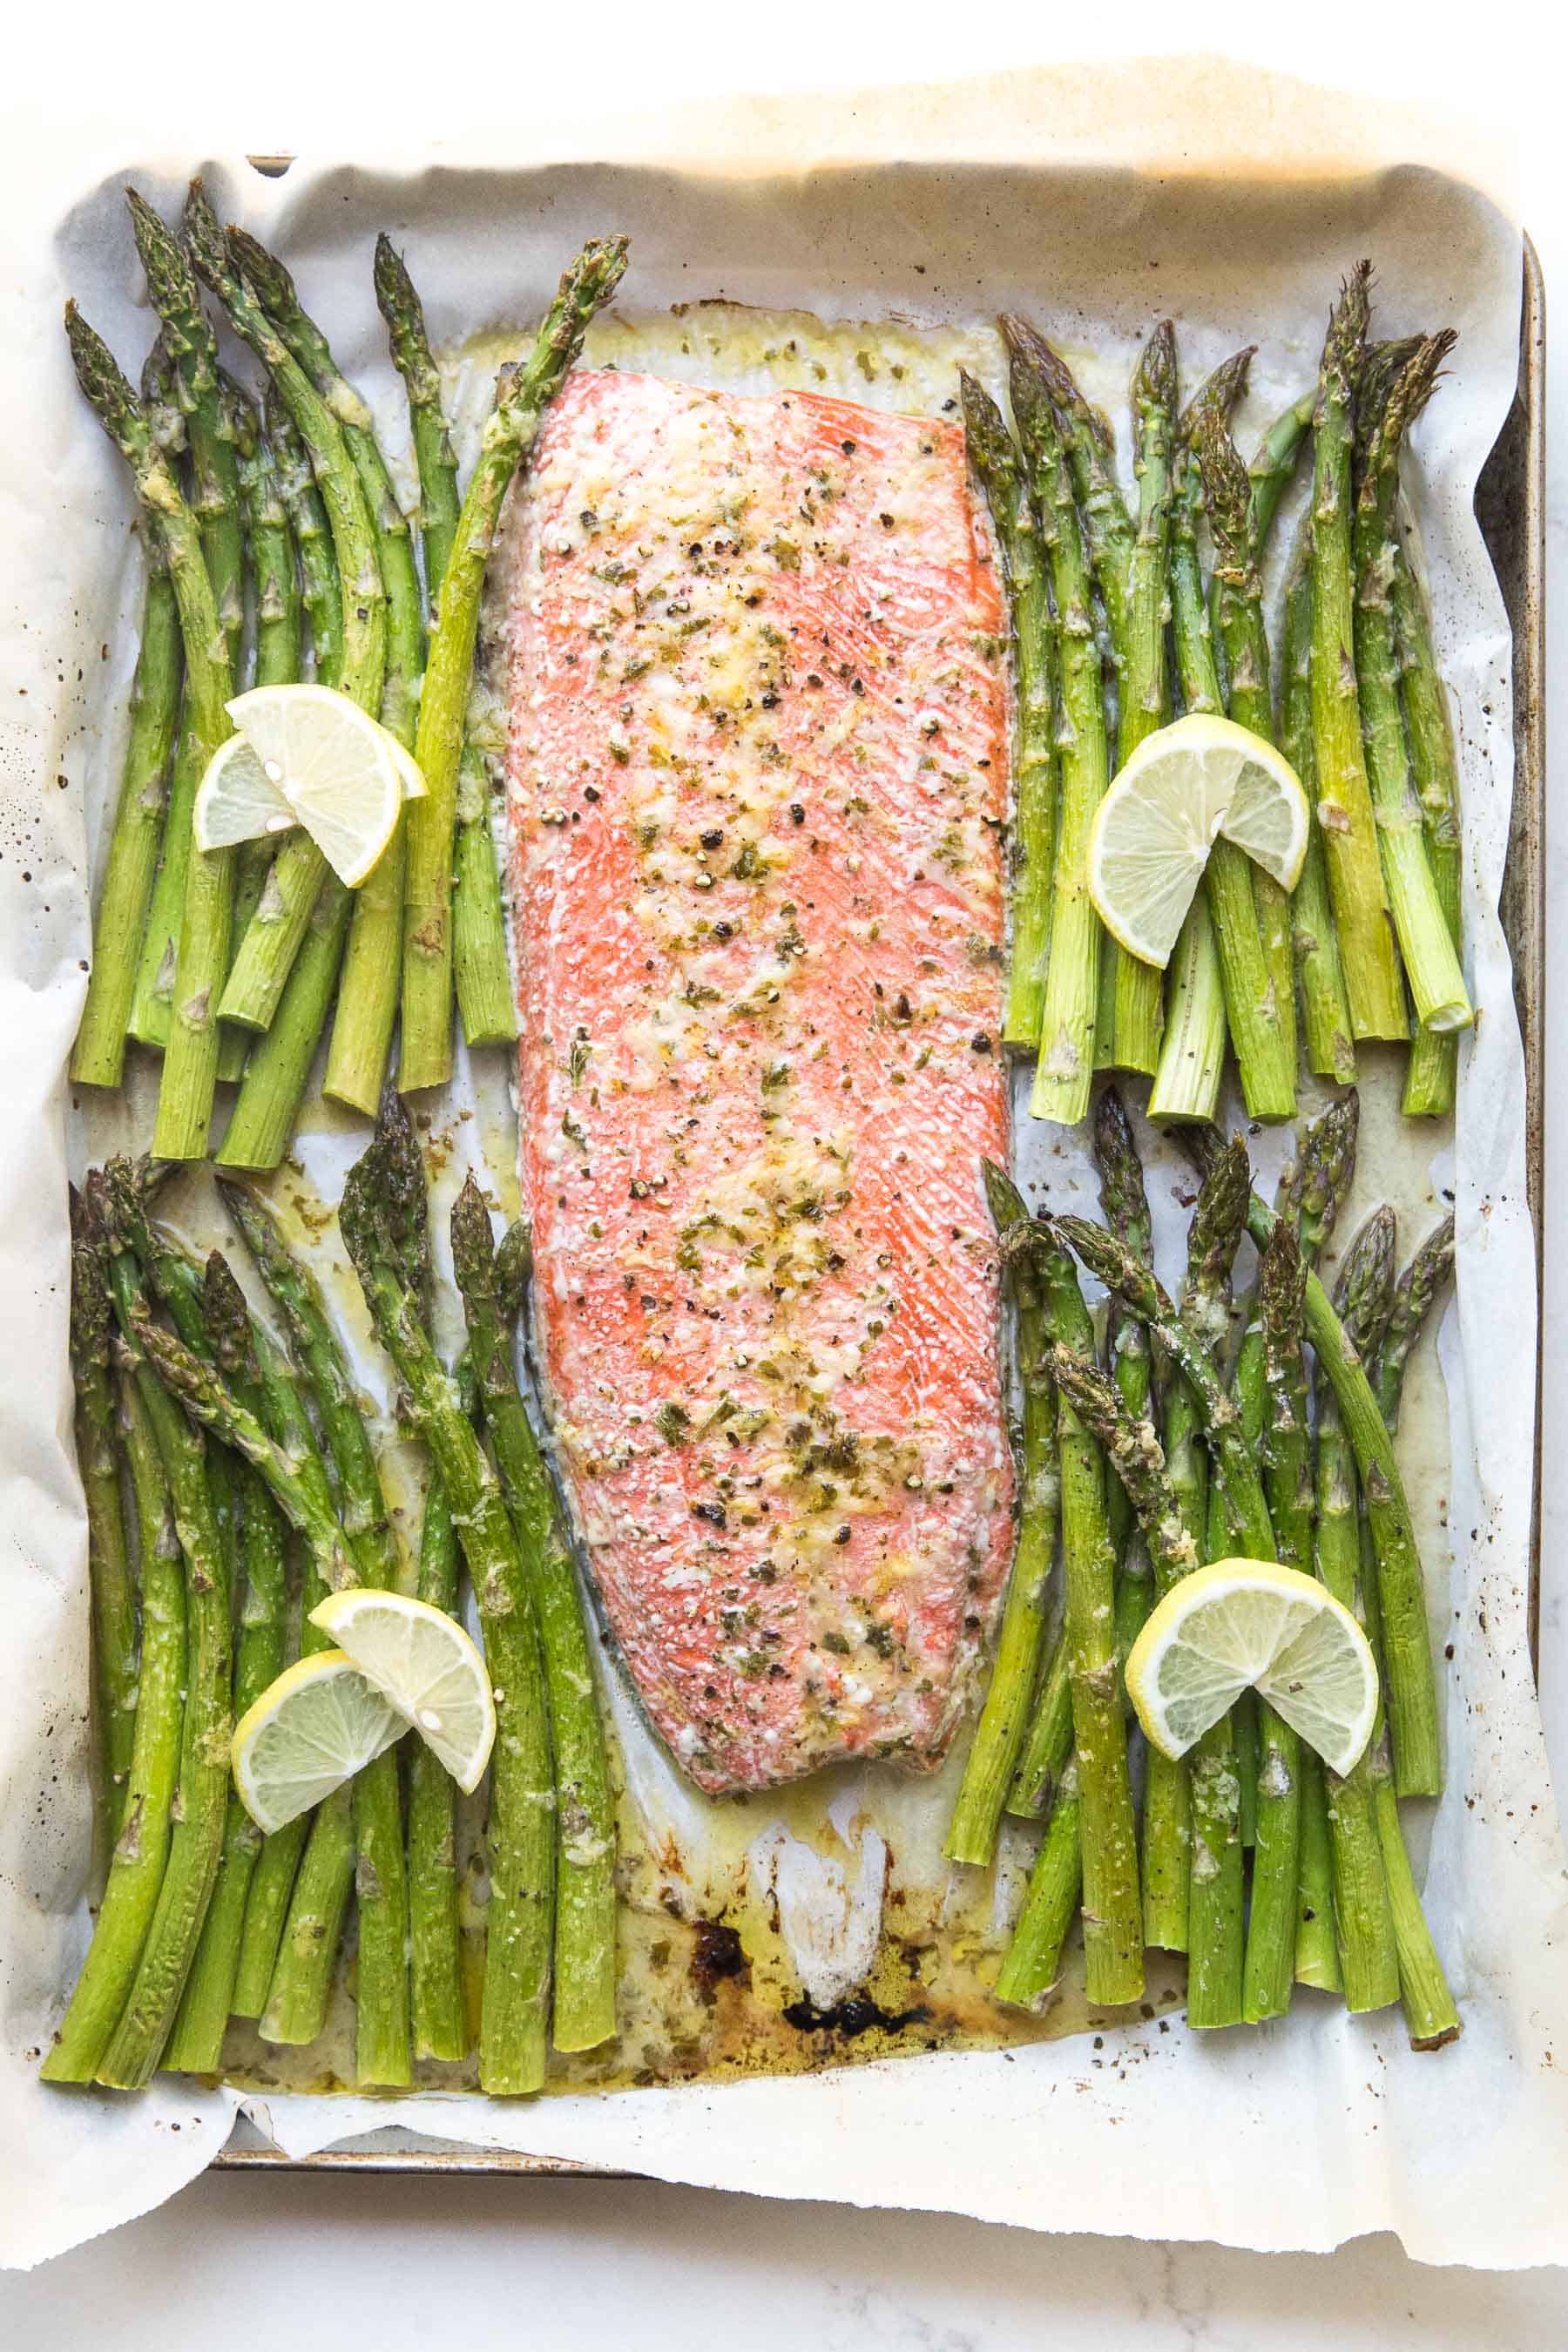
(135, 2046)
(410, 346)
(367, 995)
(1370, 958)
(1004, 482)
(1430, 2012)
(1004, 1717)
(148, 1020)
(1325, 1007)
(1364, 1919)
(142, 1849)
(1192, 1056)
(1286, 1448)
(279, 653)
(1263, 1047)
(299, 1991)
(1274, 462)
(434, 1945)
(482, 972)
(1420, 919)
(1125, 1207)
(124, 916)
(509, 433)
(1065, 1071)
(188, 338)
(1113, 1943)
(1032, 1961)
(585, 2007)
(111, 1582)
(265, 955)
(272, 1883)
(190, 1062)
(195, 2044)
(383, 1218)
(1229, 493)
(1146, 685)
(1429, 1076)
(280, 1062)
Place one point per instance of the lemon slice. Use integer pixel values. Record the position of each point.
(318, 1724)
(1185, 786)
(1247, 1625)
(334, 767)
(426, 1667)
(237, 800)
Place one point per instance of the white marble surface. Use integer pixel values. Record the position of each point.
(312, 2264)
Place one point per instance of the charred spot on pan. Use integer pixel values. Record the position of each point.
(719, 1956)
(852, 2017)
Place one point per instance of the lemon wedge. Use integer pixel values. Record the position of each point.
(237, 800)
(1245, 1624)
(319, 1724)
(341, 775)
(1185, 787)
(425, 1666)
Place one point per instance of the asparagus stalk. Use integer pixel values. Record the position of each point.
(190, 1062)
(1370, 959)
(279, 652)
(585, 2007)
(1124, 1204)
(411, 355)
(136, 2045)
(1065, 1071)
(1004, 1717)
(1004, 482)
(1429, 1077)
(383, 1218)
(1363, 1912)
(1410, 1684)
(278, 1067)
(509, 433)
(435, 1943)
(320, 593)
(383, 2052)
(1032, 1962)
(1273, 1927)
(1321, 980)
(1420, 918)
(1230, 496)
(265, 955)
(1274, 461)
(1039, 1777)
(367, 995)
(1429, 2011)
(142, 1849)
(480, 969)
(1113, 1943)
(272, 1883)
(124, 917)
(188, 338)
(1145, 684)
(1192, 1058)
(1265, 1049)
(111, 1582)
(1087, 445)
(195, 2044)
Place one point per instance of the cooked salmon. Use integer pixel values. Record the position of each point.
(757, 771)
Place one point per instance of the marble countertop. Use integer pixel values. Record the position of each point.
(311, 2262)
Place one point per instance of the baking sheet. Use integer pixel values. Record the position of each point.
(1300, 2135)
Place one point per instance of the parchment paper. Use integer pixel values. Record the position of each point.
(1096, 200)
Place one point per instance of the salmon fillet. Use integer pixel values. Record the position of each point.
(756, 772)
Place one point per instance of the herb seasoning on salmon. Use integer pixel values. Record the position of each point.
(757, 773)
